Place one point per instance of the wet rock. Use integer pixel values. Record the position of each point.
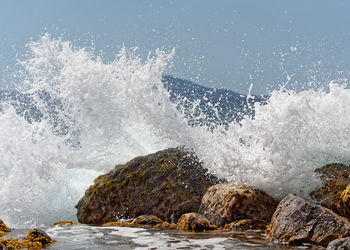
(339, 244)
(35, 239)
(148, 220)
(298, 221)
(3, 227)
(65, 222)
(335, 178)
(166, 184)
(225, 203)
(194, 222)
(144, 221)
(247, 224)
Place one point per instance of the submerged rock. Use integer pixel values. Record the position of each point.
(335, 178)
(339, 244)
(247, 224)
(144, 221)
(65, 222)
(194, 222)
(225, 203)
(166, 184)
(298, 221)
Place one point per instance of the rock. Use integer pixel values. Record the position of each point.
(225, 203)
(343, 207)
(194, 222)
(247, 224)
(35, 239)
(339, 244)
(298, 221)
(65, 222)
(166, 184)
(148, 220)
(144, 221)
(3, 227)
(335, 178)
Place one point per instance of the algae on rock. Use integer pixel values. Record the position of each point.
(166, 184)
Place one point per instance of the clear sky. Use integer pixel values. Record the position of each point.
(226, 43)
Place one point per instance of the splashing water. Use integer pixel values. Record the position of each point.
(94, 115)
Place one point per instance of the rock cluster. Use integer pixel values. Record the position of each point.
(35, 239)
(174, 187)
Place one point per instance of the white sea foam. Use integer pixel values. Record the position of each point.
(108, 113)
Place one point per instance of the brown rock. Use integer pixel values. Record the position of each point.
(35, 239)
(339, 244)
(3, 227)
(343, 205)
(194, 222)
(147, 220)
(247, 224)
(166, 184)
(298, 221)
(65, 222)
(225, 203)
(335, 178)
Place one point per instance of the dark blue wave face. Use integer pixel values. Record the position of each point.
(209, 106)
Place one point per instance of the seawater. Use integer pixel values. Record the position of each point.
(96, 114)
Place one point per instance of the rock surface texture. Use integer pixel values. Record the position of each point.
(247, 224)
(166, 184)
(298, 221)
(225, 203)
(335, 179)
(339, 244)
(194, 222)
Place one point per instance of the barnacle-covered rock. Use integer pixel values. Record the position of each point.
(334, 193)
(297, 221)
(225, 203)
(194, 222)
(166, 184)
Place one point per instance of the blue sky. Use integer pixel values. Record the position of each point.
(226, 43)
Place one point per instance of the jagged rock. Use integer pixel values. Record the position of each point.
(225, 203)
(194, 222)
(335, 178)
(247, 224)
(166, 184)
(339, 244)
(298, 221)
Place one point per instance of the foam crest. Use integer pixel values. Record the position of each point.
(290, 136)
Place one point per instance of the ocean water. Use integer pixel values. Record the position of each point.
(70, 116)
